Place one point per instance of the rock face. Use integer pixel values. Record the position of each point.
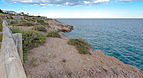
(57, 59)
(58, 26)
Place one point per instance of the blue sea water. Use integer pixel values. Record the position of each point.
(121, 38)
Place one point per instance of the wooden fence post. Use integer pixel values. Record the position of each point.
(18, 42)
(10, 62)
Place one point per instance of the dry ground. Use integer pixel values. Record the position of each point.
(57, 59)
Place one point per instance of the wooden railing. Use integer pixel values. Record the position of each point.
(11, 55)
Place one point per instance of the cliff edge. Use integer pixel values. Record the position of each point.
(57, 59)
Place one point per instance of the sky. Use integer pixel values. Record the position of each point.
(77, 8)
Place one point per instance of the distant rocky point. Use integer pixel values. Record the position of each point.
(14, 18)
(58, 26)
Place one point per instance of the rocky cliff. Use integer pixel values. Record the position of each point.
(58, 26)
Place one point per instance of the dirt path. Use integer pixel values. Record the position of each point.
(57, 59)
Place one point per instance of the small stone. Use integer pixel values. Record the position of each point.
(87, 58)
(105, 68)
(64, 60)
(98, 70)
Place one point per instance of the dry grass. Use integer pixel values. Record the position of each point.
(53, 34)
(81, 45)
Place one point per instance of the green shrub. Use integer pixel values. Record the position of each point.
(14, 30)
(12, 23)
(1, 36)
(31, 20)
(10, 14)
(81, 45)
(24, 23)
(30, 40)
(41, 22)
(0, 27)
(40, 28)
(115, 72)
(53, 34)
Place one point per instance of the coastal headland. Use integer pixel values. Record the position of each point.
(48, 53)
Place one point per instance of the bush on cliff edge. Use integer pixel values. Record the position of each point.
(0, 27)
(40, 28)
(52, 34)
(81, 45)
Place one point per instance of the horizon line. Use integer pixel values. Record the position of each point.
(96, 18)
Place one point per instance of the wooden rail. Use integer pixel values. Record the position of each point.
(11, 55)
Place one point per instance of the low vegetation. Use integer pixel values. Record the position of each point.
(12, 23)
(31, 39)
(40, 28)
(14, 30)
(41, 22)
(31, 20)
(32, 61)
(1, 36)
(115, 72)
(81, 45)
(0, 27)
(45, 60)
(24, 23)
(54, 56)
(53, 34)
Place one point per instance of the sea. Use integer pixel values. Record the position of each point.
(121, 38)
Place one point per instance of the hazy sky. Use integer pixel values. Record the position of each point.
(77, 8)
